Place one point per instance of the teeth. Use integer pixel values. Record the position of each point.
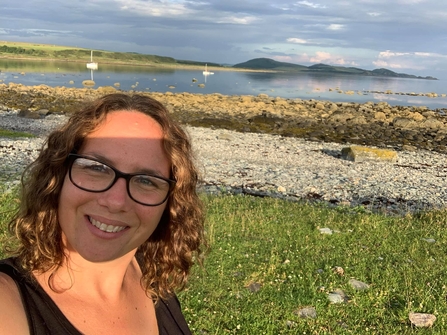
(106, 228)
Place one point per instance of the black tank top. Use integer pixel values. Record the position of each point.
(44, 317)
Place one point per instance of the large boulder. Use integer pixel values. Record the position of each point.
(358, 153)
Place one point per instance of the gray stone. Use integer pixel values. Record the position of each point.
(404, 123)
(28, 114)
(422, 319)
(307, 312)
(338, 296)
(326, 231)
(225, 136)
(358, 285)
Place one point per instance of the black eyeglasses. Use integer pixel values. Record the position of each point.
(91, 175)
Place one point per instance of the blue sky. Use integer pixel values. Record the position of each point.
(406, 36)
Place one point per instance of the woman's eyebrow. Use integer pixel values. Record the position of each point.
(151, 172)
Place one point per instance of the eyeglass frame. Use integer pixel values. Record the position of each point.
(118, 174)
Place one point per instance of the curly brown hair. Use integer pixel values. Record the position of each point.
(167, 256)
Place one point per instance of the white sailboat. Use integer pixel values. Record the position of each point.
(206, 72)
(92, 65)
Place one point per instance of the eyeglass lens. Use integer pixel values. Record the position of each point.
(94, 176)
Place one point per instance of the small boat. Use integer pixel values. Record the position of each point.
(92, 65)
(206, 72)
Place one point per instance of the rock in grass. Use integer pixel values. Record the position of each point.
(326, 231)
(339, 270)
(357, 153)
(306, 312)
(358, 285)
(338, 297)
(254, 287)
(422, 319)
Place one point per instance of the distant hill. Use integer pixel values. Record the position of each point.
(270, 64)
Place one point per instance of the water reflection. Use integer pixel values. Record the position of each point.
(286, 85)
(19, 65)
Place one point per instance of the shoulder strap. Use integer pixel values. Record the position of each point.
(170, 318)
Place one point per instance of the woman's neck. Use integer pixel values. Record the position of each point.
(105, 281)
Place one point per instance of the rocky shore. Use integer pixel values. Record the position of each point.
(378, 124)
(268, 146)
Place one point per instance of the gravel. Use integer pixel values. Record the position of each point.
(267, 165)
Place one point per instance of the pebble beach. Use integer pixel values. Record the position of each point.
(268, 165)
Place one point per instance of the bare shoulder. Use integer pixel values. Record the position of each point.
(11, 308)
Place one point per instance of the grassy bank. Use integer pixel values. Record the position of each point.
(49, 52)
(268, 259)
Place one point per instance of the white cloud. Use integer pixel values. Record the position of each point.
(38, 32)
(296, 40)
(310, 4)
(429, 55)
(237, 20)
(318, 57)
(409, 2)
(155, 8)
(400, 64)
(182, 9)
(423, 54)
(328, 58)
(374, 14)
(335, 26)
(408, 60)
(382, 63)
(389, 54)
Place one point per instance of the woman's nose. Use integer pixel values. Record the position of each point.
(115, 198)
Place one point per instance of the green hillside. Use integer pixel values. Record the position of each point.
(270, 64)
(21, 50)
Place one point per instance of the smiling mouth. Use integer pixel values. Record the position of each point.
(106, 228)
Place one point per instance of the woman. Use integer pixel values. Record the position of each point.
(108, 226)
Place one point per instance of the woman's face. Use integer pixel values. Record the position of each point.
(131, 142)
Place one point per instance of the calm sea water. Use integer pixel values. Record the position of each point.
(304, 86)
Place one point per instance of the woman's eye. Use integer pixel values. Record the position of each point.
(144, 181)
(98, 167)
(88, 165)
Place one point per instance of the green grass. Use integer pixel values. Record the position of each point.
(8, 204)
(278, 245)
(13, 134)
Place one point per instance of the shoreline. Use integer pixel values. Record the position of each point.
(373, 124)
(154, 65)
